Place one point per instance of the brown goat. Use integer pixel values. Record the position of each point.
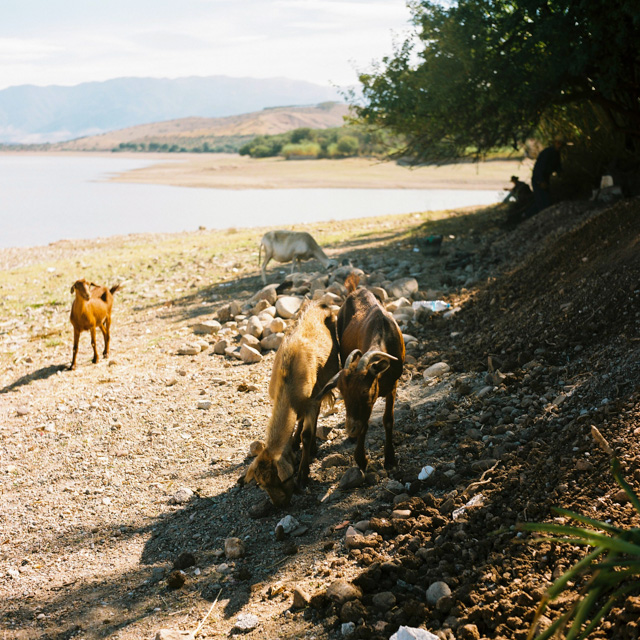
(91, 308)
(305, 361)
(372, 349)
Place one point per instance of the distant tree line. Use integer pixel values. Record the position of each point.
(222, 144)
(307, 143)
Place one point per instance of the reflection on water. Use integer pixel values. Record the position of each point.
(48, 198)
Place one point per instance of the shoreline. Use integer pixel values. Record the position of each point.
(232, 171)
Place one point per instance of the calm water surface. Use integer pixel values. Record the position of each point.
(48, 198)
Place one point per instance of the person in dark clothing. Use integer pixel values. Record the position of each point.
(519, 192)
(547, 163)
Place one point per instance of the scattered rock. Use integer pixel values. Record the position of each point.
(176, 579)
(182, 495)
(249, 355)
(352, 478)
(334, 460)
(184, 560)
(384, 601)
(436, 370)
(173, 634)
(412, 633)
(288, 306)
(234, 548)
(436, 591)
(208, 327)
(246, 622)
(300, 598)
(341, 591)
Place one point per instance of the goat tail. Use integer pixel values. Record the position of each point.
(115, 288)
(352, 281)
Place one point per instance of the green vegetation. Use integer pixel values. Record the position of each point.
(481, 74)
(186, 144)
(339, 142)
(613, 566)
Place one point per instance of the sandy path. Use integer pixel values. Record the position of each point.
(227, 171)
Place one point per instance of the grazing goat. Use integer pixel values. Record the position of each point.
(283, 246)
(91, 308)
(372, 349)
(305, 361)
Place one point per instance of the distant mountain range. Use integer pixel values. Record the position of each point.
(30, 114)
(219, 134)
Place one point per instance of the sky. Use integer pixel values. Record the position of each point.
(67, 42)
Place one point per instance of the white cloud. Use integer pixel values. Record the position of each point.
(317, 40)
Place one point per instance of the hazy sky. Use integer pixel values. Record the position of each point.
(67, 42)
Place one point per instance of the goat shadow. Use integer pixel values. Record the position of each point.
(39, 374)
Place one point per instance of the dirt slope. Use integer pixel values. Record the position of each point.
(267, 121)
(545, 344)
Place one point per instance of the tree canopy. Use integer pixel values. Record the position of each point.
(481, 74)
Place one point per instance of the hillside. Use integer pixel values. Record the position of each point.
(194, 132)
(30, 114)
(116, 474)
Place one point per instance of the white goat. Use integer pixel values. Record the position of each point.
(283, 246)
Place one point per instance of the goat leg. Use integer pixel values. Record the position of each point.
(76, 338)
(387, 421)
(308, 441)
(104, 327)
(93, 344)
(359, 454)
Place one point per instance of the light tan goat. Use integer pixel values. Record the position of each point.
(283, 246)
(91, 308)
(304, 363)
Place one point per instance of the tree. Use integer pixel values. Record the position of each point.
(482, 74)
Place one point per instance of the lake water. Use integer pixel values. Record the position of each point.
(48, 198)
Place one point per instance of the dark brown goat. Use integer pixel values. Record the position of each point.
(372, 349)
(91, 308)
(305, 361)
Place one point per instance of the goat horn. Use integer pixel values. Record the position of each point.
(356, 353)
(367, 358)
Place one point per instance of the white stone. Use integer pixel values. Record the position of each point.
(247, 621)
(348, 628)
(436, 370)
(425, 472)
(204, 405)
(173, 634)
(413, 633)
(190, 349)
(272, 341)
(182, 495)
(251, 341)
(207, 327)
(277, 325)
(288, 306)
(402, 287)
(400, 303)
(288, 524)
(254, 327)
(249, 355)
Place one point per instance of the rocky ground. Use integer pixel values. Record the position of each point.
(116, 476)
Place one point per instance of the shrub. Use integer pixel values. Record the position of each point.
(301, 151)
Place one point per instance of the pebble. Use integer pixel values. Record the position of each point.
(352, 478)
(300, 598)
(204, 404)
(288, 306)
(334, 460)
(436, 591)
(173, 634)
(234, 548)
(288, 524)
(189, 350)
(436, 370)
(182, 495)
(348, 628)
(246, 622)
(384, 600)
(272, 341)
(341, 591)
(249, 355)
(425, 472)
(207, 327)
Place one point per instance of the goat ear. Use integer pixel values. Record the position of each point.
(374, 363)
(285, 468)
(73, 288)
(332, 384)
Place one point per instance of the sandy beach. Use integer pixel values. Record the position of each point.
(228, 171)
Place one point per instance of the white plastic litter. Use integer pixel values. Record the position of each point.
(432, 305)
